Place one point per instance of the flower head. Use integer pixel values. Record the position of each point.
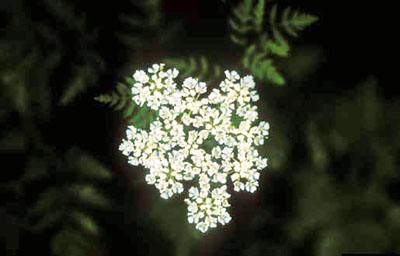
(209, 139)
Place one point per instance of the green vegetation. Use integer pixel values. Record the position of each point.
(333, 176)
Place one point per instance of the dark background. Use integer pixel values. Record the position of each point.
(332, 184)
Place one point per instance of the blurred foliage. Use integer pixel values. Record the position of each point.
(343, 195)
(143, 29)
(332, 181)
(46, 62)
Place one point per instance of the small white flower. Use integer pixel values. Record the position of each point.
(264, 127)
(201, 88)
(254, 96)
(126, 147)
(133, 160)
(150, 179)
(216, 152)
(173, 73)
(141, 77)
(259, 140)
(154, 68)
(248, 82)
(232, 76)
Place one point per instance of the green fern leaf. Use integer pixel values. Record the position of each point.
(279, 46)
(103, 98)
(248, 53)
(129, 109)
(121, 99)
(174, 62)
(217, 71)
(86, 165)
(271, 73)
(71, 241)
(259, 14)
(199, 67)
(74, 88)
(191, 68)
(139, 119)
(129, 81)
(256, 68)
(244, 16)
(89, 195)
(204, 67)
(302, 20)
(114, 99)
(257, 56)
(46, 201)
(272, 15)
(239, 41)
(121, 89)
(87, 222)
(285, 14)
(239, 28)
(243, 12)
(49, 219)
(295, 21)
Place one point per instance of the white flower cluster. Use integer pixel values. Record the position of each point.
(205, 139)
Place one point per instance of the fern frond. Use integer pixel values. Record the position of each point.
(261, 44)
(69, 205)
(243, 12)
(217, 71)
(72, 241)
(271, 72)
(259, 15)
(272, 15)
(242, 21)
(88, 223)
(120, 99)
(86, 165)
(84, 76)
(89, 195)
(296, 21)
(239, 28)
(199, 67)
(237, 40)
(256, 60)
(279, 46)
(204, 66)
(247, 54)
(255, 66)
(76, 86)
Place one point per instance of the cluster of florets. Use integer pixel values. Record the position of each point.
(196, 138)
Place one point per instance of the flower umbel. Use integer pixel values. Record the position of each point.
(207, 139)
